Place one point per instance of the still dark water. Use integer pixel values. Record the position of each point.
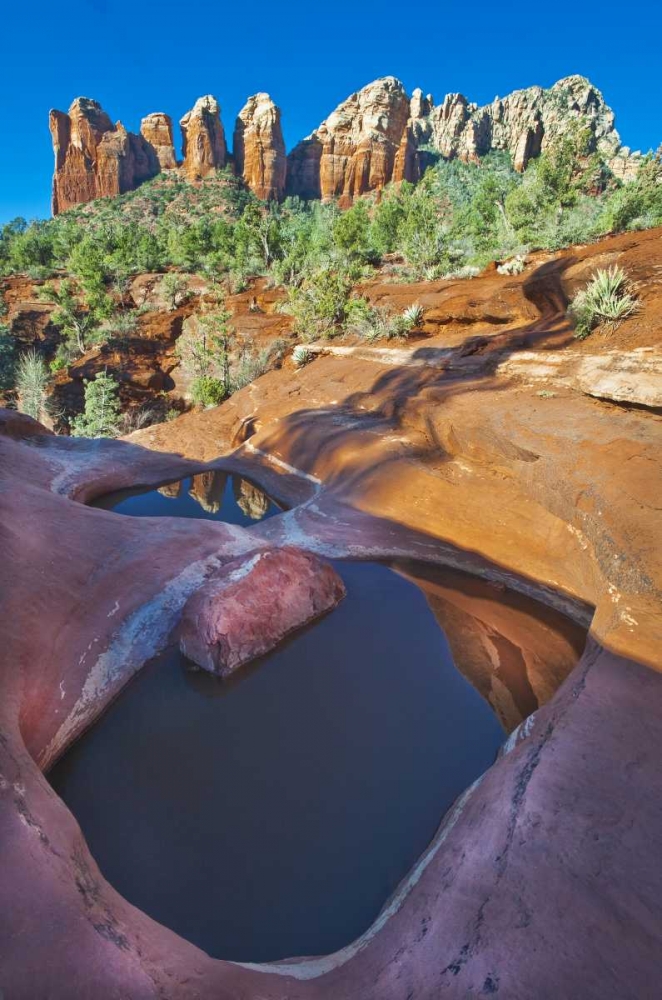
(274, 815)
(215, 496)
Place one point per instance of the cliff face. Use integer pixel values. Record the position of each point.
(203, 138)
(156, 129)
(259, 148)
(522, 123)
(376, 136)
(94, 158)
(355, 149)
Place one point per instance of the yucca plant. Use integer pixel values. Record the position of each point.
(301, 355)
(608, 298)
(412, 317)
(376, 323)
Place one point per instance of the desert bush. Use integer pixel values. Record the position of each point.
(174, 288)
(120, 326)
(7, 358)
(77, 321)
(377, 323)
(319, 306)
(207, 390)
(252, 363)
(513, 266)
(607, 298)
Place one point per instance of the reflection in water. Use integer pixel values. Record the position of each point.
(251, 499)
(514, 650)
(170, 490)
(274, 815)
(208, 489)
(215, 496)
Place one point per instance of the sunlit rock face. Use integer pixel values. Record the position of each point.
(203, 138)
(376, 136)
(94, 158)
(156, 129)
(259, 148)
(355, 149)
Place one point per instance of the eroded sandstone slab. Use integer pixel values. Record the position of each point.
(253, 604)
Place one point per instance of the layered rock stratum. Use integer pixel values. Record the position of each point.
(377, 136)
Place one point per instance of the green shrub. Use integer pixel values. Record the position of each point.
(7, 358)
(319, 306)
(513, 266)
(207, 390)
(175, 289)
(377, 323)
(607, 298)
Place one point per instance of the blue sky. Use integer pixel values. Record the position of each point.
(140, 57)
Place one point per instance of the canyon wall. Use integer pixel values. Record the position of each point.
(378, 135)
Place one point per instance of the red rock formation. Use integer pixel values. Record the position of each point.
(124, 161)
(259, 148)
(203, 138)
(374, 137)
(355, 150)
(156, 129)
(252, 604)
(93, 157)
(521, 123)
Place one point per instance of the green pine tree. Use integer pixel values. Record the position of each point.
(101, 417)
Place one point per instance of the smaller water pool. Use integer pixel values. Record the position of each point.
(214, 496)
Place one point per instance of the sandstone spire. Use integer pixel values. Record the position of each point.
(355, 149)
(259, 149)
(156, 129)
(203, 138)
